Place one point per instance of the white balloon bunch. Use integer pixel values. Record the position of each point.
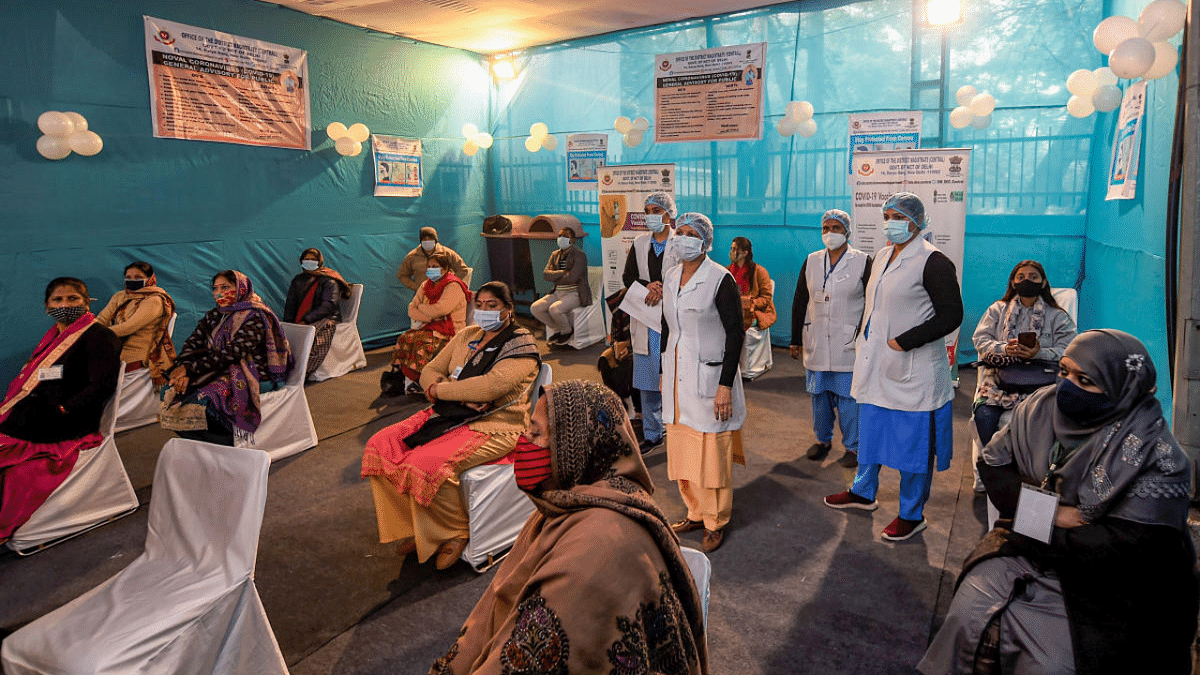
(797, 119)
(974, 108)
(66, 132)
(1140, 48)
(348, 141)
(540, 138)
(476, 139)
(633, 130)
(1092, 90)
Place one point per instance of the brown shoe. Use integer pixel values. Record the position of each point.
(405, 547)
(449, 552)
(686, 525)
(712, 540)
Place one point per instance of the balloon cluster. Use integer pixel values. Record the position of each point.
(348, 141)
(476, 139)
(974, 108)
(1092, 90)
(540, 138)
(1140, 48)
(633, 131)
(797, 119)
(66, 132)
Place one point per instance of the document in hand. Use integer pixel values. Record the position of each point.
(635, 306)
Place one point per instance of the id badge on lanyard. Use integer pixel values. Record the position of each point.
(1037, 506)
(50, 373)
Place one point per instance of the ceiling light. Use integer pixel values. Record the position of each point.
(502, 68)
(943, 12)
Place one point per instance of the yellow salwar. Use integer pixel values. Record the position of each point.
(702, 464)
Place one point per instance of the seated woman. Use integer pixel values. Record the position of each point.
(237, 352)
(1027, 308)
(567, 268)
(312, 300)
(440, 307)
(479, 386)
(754, 284)
(139, 314)
(52, 409)
(1113, 589)
(596, 582)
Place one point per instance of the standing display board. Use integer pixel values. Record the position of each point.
(873, 132)
(206, 85)
(709, 95)
(1123, 169)
(586, 155)
(397, 166)
(623, 192)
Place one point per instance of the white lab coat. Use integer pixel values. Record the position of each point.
(639, 334)
(695, 350)
(830, 324)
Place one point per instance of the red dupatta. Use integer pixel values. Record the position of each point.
(433, 293)
(53, 345)
(306, 304)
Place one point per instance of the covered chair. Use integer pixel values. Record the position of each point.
(588, 322)
(187, 605)
(346, 350)
(287, 425)
(139, 397)
(701, 570)
(756, 350)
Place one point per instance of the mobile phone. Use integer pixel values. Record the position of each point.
(1028, 339)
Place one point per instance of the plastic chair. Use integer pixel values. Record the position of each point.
(496, 508)
(140, 403)
(287, 425)
(187, 605)
(96, 492)
(701, 570)
(756, 350)
(345, 350)
(588, 321)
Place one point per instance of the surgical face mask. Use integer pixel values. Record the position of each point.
(488, 319)
(1027, 288)
(66, 315)
(655, 222)
(689, 248)
(135, 284)
(897, 231)
(833, 240)
(309, 265)
(434, 273)
(428, 244)
(564, 242)
(1084, 407)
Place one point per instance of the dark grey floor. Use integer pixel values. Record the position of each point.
(797, 587)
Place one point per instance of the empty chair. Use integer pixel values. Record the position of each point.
(346, 350)
(287, 425)
(140, 402)
(188, 604)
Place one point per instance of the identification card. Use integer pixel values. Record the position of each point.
(454, 375)
(51, 373)
(1035, 513)
(821, 297)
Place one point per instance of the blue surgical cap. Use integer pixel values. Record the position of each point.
(665, 201)
(838, 215)
(908, 205)
(701, 224)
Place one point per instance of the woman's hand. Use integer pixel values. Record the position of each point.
(1067, 517)
(179, 379)
(895, 345)
(431, 393)
(479, 407)
(620, 350)
(655, 294)
(1020, 351)
(723, 404)
(794, 351)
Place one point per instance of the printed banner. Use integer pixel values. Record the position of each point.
(709, 95)
(623, 192)
(1123, 170)
(397, 166)
(586, 154)
(938, 176)
(873, 132)
(211, 86)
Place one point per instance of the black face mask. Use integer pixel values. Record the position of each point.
(1084, 407)
(67, 315)
(134, 284)
(1028, 289)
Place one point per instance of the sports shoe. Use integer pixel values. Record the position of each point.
(712, 540)
(849, 500)
(818, 451)
(849, 460)
(901, 529)
(685, 525)
(648, 446)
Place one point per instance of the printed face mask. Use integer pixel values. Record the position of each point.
(833, 240)
(227, 298)
(309, 265)
(134, 284)
(531, 464)
(434, 273)
(897, 231)
(67, 315)
(689, 248)
(488, 319)
(655, 222)
(428, 244)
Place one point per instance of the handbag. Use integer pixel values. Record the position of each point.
(1026, 377)
(391, 382)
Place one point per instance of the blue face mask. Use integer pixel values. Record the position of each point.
(1084, 407)
(434, 273)
(309, 265)
(488, 319)
(655, 222)
(689, 248)
(897, 231)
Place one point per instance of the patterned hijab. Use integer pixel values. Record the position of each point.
(246, 305)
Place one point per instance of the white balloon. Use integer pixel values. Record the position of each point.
(348, 146)
(633, 139)
(549, 142)
(1106, 98)
(961, 117)
(982, 122)
(807, 128)
(983, 105)
(799, 111)
(53, 147)
(470, 147)
(1161, 19)
(1165, 58)
(86, 143)
(470, 131)
(1083, 82)
(786, 126)
(533, 144)
(641, 124)
(359, 132)
(1104, 76)
(1132, 58)
(54, 123)
(483, 139)
(78, 122)
(1079, 106)
(335, 130)
(622, 124)
(964, 94)
(538, 129)
(1113, 31)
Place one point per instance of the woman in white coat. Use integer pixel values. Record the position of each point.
(703, 402)
(901, 369)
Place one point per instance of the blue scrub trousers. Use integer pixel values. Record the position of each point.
(652, 423)
(914, 488)
(823, 405)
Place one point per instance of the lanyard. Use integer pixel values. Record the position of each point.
(1058, 456)
(830, 267)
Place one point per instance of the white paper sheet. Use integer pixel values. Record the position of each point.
(634, 304)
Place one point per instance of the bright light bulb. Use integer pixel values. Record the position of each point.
(943, 12)
(502, 68)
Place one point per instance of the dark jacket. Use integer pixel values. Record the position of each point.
(325, 304)
(574, 272)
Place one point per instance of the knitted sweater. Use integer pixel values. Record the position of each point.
(507, 381)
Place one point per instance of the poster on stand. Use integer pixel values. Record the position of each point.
(1123, 169)
(873, 132)
(709, 95)
(206, 85)
(397, 166)
(623, 191)
(938, 176)
(586, 154)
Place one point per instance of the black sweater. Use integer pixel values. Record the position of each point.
(729, 309)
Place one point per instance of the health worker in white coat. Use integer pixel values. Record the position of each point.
(826, 311)
(901, 369)
(649, 258)
(703, 402)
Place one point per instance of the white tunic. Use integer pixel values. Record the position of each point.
(835, 308)
(639, 334)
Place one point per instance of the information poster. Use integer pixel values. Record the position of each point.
(623, 192)
(709, 95)
(586, 154)
(397, 166)
(211, 86)
(938, 176)
(873, 132)
(1123, 170)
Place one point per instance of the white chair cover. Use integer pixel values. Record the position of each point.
(187, 605)
(701, 569)
(756, 353)
(139, 401)
(96, 491)
(287, 425)
(496, 508)
(346, 350)
(589, 321)
(1068, 299)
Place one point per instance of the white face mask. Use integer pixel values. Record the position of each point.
(655, 222)
(833, 240)
(488, 319)
(689, 248)
(564, 242)
(428, 244)
(309, 265)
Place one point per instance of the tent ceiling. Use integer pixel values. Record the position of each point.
(491, 26)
